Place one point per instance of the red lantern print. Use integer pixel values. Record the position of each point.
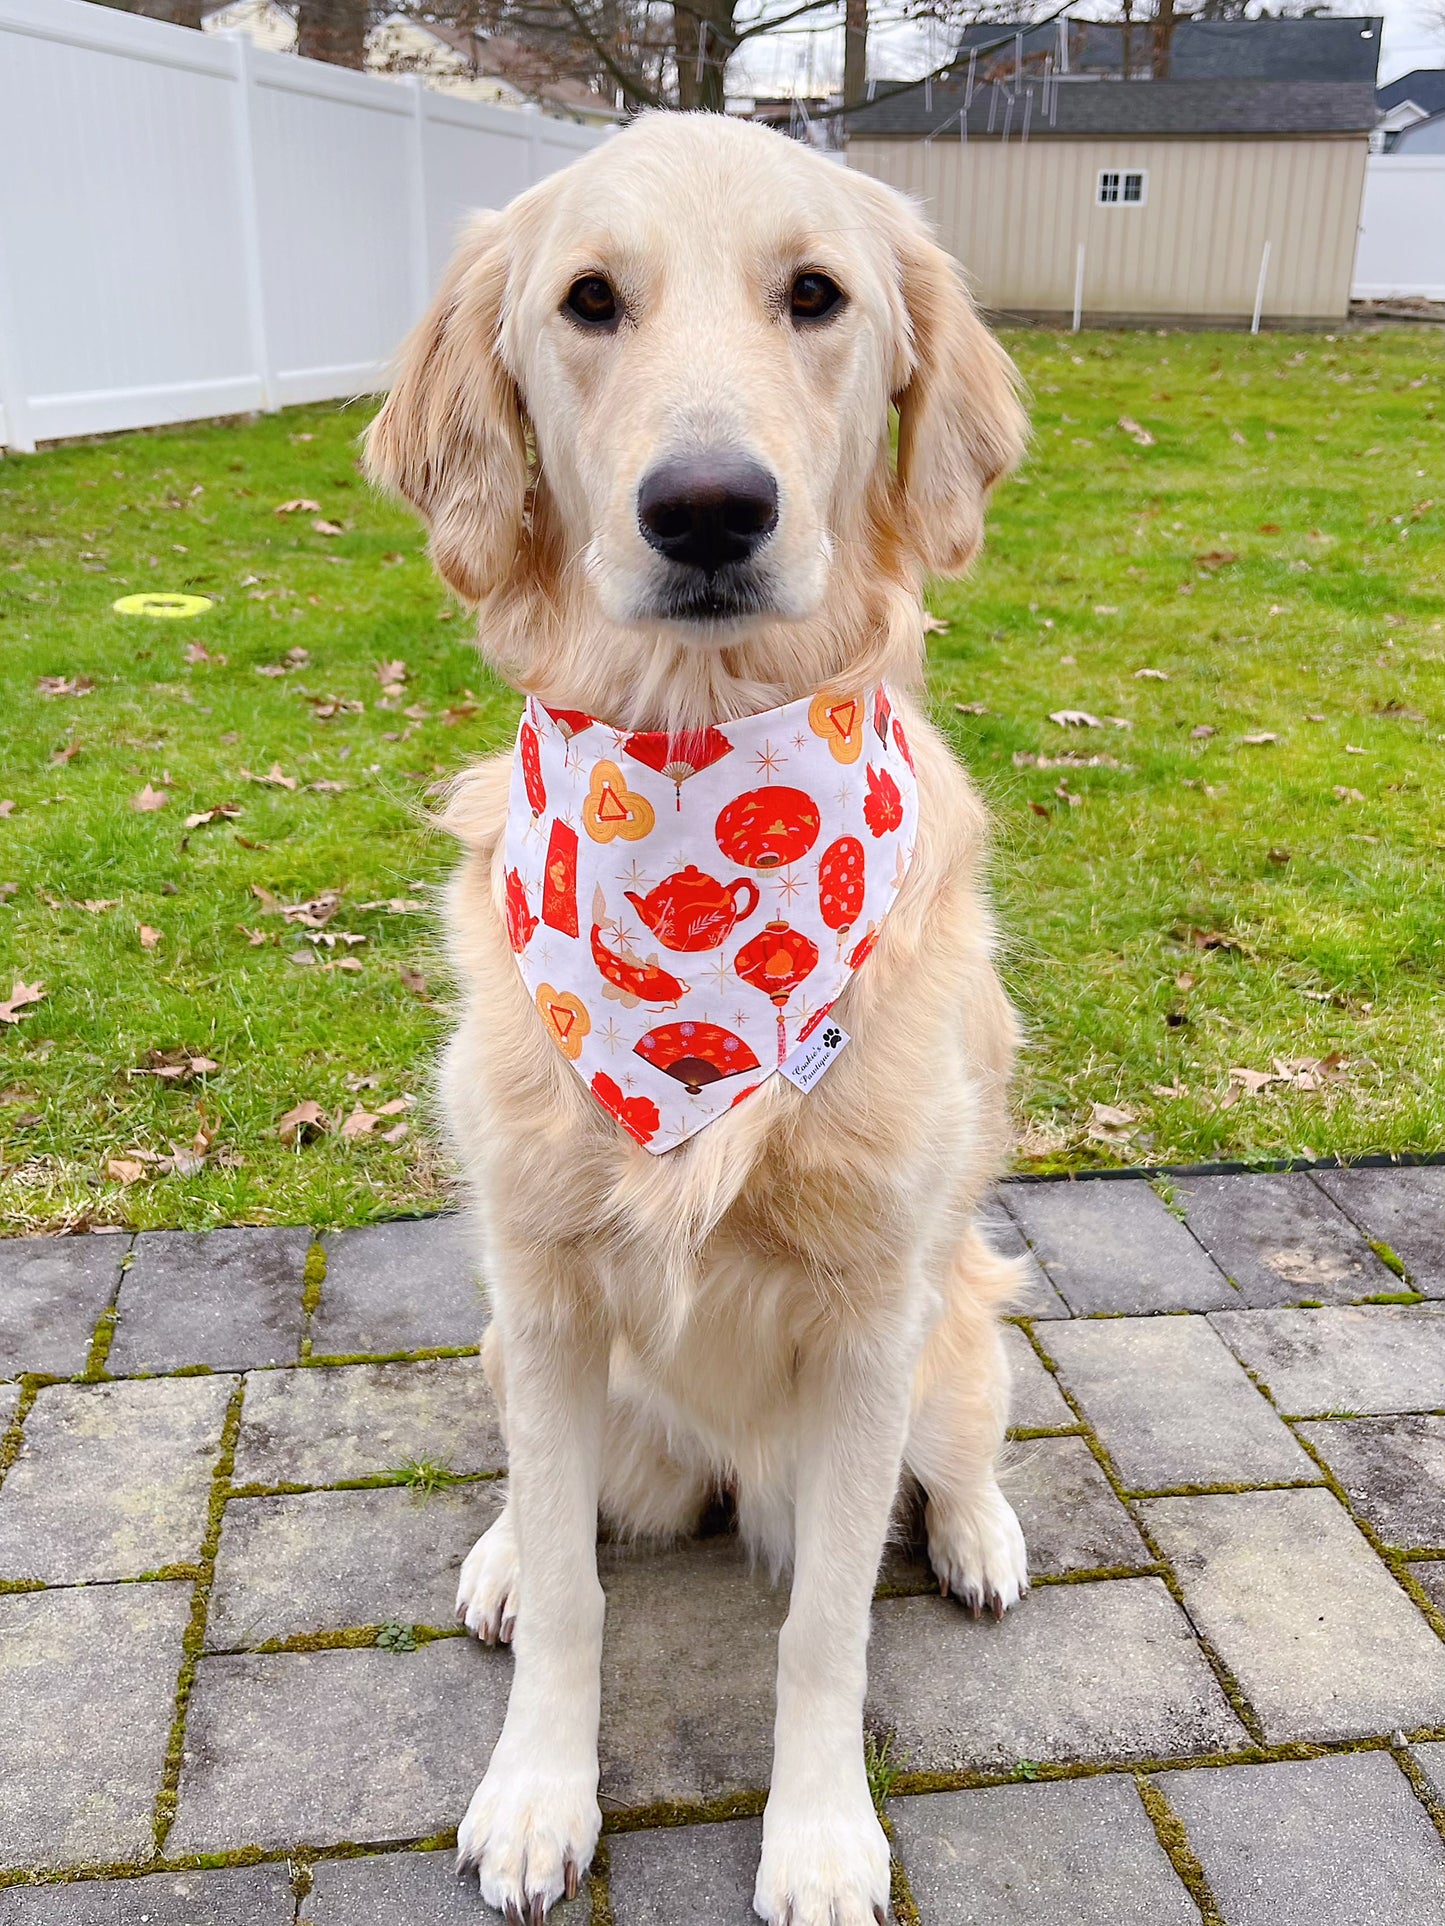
(882, 710)
(633, 980)
(691, 911)
(678, 756)
(882, 806)
(841, 870)
(639, 1116)
(902, 741)
(776, 961)
(520, 921)
(559, 880)
(696, 1053)
(528, 750)
(765, 828)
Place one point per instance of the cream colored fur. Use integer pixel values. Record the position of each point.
(795, 1305)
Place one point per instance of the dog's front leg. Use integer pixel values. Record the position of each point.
(825, 1859)
(533, 1822)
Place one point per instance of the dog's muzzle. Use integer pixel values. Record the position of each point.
(708, 515)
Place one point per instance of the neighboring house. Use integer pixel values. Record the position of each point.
(1414, 97)
(1171, 187)
(1422, 137)
(1318, 47)
(447, 58)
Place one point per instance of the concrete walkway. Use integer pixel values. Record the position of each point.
(236, 1494)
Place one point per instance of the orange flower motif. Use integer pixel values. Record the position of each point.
(639, 1116)
(566, 1019)
(882, 806)
(612, 809)
(838, 719)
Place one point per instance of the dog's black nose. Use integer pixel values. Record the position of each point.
(707, 510)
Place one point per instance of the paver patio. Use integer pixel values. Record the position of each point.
(232, 1511)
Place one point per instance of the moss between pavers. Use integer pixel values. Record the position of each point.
(11, 1440)
(599, 1896)
(1421, 1786)
(312, 1279)
(1169, 1830)
(377, 1481)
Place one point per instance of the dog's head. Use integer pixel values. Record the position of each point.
(656, 390)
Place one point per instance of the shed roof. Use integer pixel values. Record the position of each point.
(1085, 109)
(1317, 47)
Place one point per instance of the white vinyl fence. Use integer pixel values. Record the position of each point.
(1402, 228)
(190, 226)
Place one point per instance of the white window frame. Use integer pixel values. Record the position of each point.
(1120, 177)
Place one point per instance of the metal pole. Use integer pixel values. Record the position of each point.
(1259, 289)
(1079, 289)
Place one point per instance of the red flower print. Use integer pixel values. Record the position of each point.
(639, 1116)
(520, 920)
(883, 806)
(902, 741)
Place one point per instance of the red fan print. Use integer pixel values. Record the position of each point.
(527, 748)
(520, 921)
(882, 806)
(678, 756)
(902, 741)
(841, 870)
(639, 982)
(571, 722)
(559, 880)
(696, 1053)
(639, 1116)
(775, 961)
(765, 828)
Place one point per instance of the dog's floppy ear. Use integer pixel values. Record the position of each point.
(960, 423)
(451, 436)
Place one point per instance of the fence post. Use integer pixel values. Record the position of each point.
(19, 436)
(1259, 289)
(1079, 288)
(420, 239)
(251, 221)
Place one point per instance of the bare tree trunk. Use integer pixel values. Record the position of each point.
(180, 13)
(855, 52)
(332, 30)
(1128, 14)
(1163, 39)
(702, 36)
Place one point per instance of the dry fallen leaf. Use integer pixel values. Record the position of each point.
(301, 506)
(1110, 1124)
(1216, 558)
(1074, 719)
(932, 625)
(395, 1134)
(198, 652)
(1264, 735)
(1202, 731)
(1151, 675)
(972, 708)
(413, 980)
(391, 676)
(64, 685)
(149, 938)
(1137, 433)
(149, 798)
(323, 527)
(67, 754)
(22, 994)
(303, 1123)
(1174, 1089)
(325, 788)
(1343, 793)
(97, 905)
(360, 1123)
(274, 777)
(7, 806)
(396, 1106)
(223, 812)
(124, 1170)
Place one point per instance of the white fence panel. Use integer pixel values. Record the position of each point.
(1402, 229)
(190, 226)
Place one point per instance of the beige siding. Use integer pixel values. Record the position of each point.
(1014, 215)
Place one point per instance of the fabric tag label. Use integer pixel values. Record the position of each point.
(811, 1061)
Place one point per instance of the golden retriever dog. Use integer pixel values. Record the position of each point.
(794, 1307)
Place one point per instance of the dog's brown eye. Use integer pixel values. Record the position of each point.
(814, 297)
(592, 302)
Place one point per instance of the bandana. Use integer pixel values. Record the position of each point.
(686, 908)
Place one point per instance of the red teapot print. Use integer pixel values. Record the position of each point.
(692, 911)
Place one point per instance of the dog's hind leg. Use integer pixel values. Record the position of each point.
(956, 1430)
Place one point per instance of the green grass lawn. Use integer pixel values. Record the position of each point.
(1193, 919)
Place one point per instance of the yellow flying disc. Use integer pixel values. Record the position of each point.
(168, 607)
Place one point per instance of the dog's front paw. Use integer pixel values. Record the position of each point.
(529, 1835)
(487, 1592)
(978, 1552)
(824, 1863)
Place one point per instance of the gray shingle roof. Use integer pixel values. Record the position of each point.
(1426, 87)
(1321, 47)
(1083, 108)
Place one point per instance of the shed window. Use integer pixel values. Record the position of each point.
(1118, 188)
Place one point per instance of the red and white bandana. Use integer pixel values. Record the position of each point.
(685, 909)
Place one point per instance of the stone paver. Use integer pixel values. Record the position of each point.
(1402, 1208)
(1081, 1851)
(53, 1292)
(1340, 1839)
(227, 1298)
(87, 1682)
(1039, 1299)
(113, 1480)
(1394, 1472)
(1107, 1671)
(1071, 1519)
(326, 1560)
(688, 1667)
(1035, 1400)
(321, 1747)
(1112, 1246)
(1323, 1642)
(407, 1889)
(1379, 1358)
(326, 1423)
(1431, 1760)
(1281, 1239)
(701, 1874)
(407, 1286)
(1172, 1405)
(230, 1896)
(1429, 1574)
(9, 1405)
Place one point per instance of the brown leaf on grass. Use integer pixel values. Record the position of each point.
(396, 1133)
(323, 527)
(1039, 809)
(459, 712)
(1201, 732)
(397, 905)
(7, 890)
(64, 685)
(1110, 1124)
(1065, 794)
(360, 1123)
(413, 980)
(392, 676)
(1136, 432)
(301, 506)
(175, 1066)
(1074, 719)
(314, 914)
(303, 1123)
(274, 778)
(332, 937)
(1277, 856)
(198, 652)
(149, 798)
(1343, 793)
(1269, 528)
(972, 708)
(1199, 939)
(395, 1107)
(933, 624)
(124, 1170)
(97, 905)
(342, 963)
(1263, 736)
(326, 788)
(270, 668)
(254, 937)
(323, 708)
(223, 812)
(1151, 675)
(68, 753)
(1215, 559)
(7, 806)
(149, 938)
(22, 996)
(1174, 1089)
